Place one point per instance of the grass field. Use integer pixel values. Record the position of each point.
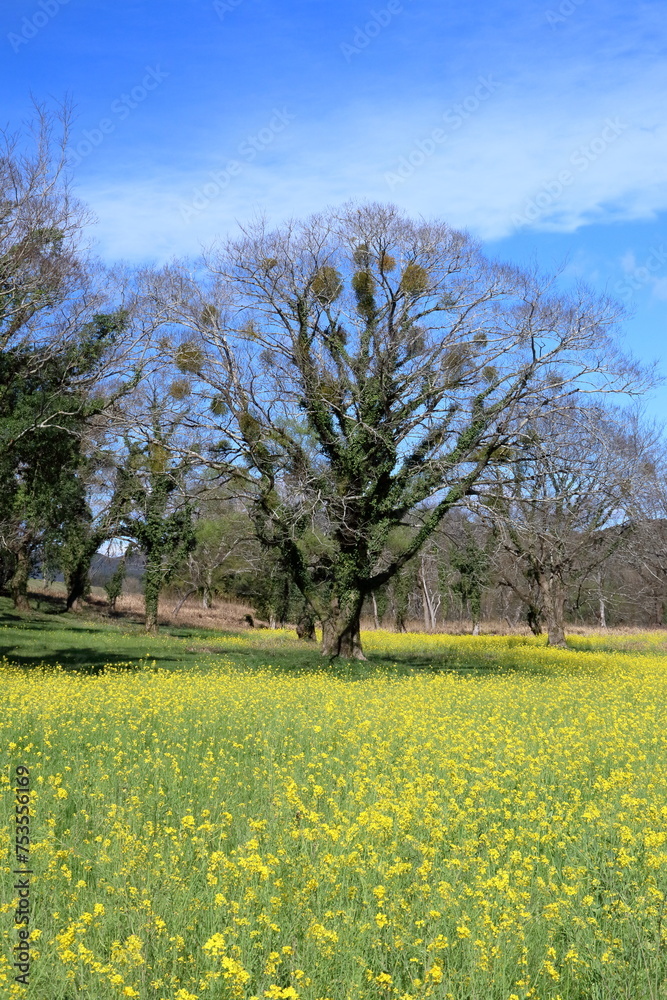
(224, 816)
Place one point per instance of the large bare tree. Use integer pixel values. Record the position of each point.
(361, 370)
(563, 502)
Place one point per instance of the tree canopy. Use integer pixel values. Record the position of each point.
(360, 370)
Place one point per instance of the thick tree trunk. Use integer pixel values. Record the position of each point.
(534, 619)
(18, 585)
(305, 629)
(345, 643)
(554, 607)
(77, 584)
(150, 622)
(341, 633)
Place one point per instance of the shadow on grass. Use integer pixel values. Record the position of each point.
(84, 660)
(93, 660)
(33, 640)
(303, 660)
(88, 646)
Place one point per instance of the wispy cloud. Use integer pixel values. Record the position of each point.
(540, 152)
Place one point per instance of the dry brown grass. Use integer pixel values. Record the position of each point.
(231, 616)
(224, 615)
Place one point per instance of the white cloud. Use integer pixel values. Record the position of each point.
(506, 161)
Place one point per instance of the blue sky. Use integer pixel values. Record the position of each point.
(540, 127)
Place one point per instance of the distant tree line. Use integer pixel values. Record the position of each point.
(356, 415)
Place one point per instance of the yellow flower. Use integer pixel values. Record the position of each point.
(435, 973)
(215, 945)
(551, 970)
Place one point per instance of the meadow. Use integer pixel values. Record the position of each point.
(225, 815)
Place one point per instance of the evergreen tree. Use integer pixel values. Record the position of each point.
(472, 563)
(44, 411)
(155, 514)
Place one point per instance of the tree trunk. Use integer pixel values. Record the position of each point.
(77, 583)
(341, 634)
(305, 629)
(345, 643)
(534, 619)
(554, 607)
(602, 602)
(18, 585)
(189, 593)
(425, 602)
(152, 587)
(431, 602)
(150, 623)
(376, 620)
(476, 610)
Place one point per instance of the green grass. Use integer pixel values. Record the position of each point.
(90, 642)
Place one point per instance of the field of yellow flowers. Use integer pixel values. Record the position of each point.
(497, 833)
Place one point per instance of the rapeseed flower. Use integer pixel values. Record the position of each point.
(496, 832)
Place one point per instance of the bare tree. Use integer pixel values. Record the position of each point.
(645, 570)
(427, 577)
(562, 503)
(361, 368)
(41, 227)
(225, 547)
